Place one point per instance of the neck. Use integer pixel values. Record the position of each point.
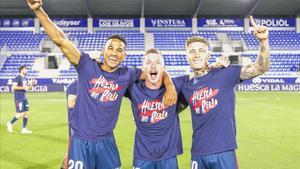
(201, 72)
(22, 75)
(153, 86)
(107, 68)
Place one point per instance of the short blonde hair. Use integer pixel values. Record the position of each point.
(155, 51)
(196, 39)
(152, 50)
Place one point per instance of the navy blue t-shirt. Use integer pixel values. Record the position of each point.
(20, 94)
(99, 98)
(212, 103)
(157, 134)
(71, 90)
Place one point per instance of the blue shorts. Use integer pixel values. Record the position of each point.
(170, 163)
(224, 160)
(21, 106)
(99, 154)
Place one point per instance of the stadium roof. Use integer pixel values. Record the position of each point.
(154, 8)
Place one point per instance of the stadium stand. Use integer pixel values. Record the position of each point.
(167, 41)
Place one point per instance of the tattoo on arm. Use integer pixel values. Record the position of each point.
(260, 66)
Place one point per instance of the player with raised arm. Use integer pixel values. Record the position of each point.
(20, 86)
(101, 89)
(211, 97)
(157, 138)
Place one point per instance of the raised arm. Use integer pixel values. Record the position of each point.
(55, 33)
(263, 60)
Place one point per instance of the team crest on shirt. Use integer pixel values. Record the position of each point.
(203, 100)
(104, 90)
(152, 111)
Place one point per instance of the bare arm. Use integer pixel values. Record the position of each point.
(16, 87)
(170, 96)
(263, 60)
(71, 101)
(25, 86)
(54, 32)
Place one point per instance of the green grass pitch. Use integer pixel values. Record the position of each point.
(268, 126)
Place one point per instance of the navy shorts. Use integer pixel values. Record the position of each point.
(21, 106)
(99, 154)
(170, 163)
(224, 160)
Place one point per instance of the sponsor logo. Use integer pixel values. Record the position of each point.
(256, 80)
(116, 23)
(264, 80)
(297, 80)
(25, 23)
(168, 22)
(9, 82)
(62, 81)
(6, 23)
(4, 89)
(67, 23)
(39, 89)
(222, 22)
(15, 23)
(268, 87)
(273, 22)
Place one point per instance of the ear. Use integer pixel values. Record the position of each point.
(101, 52)
(209, 54)
(143, 66)
(123, 56)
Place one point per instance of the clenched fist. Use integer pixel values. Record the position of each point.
(34, 4)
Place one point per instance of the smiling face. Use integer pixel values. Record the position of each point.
(197, 52)
(153, 67)
(114, 54)
(197, 55)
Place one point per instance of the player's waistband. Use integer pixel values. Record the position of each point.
(199, 153)
(92, 138)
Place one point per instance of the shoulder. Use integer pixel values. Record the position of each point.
(181, 78)
(72, 84)
(229, 69)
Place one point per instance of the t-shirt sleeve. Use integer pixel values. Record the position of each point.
(233, 74)
(72, 88)
(18, 80)
(179, 82)
(134, 75)
(84, 63)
